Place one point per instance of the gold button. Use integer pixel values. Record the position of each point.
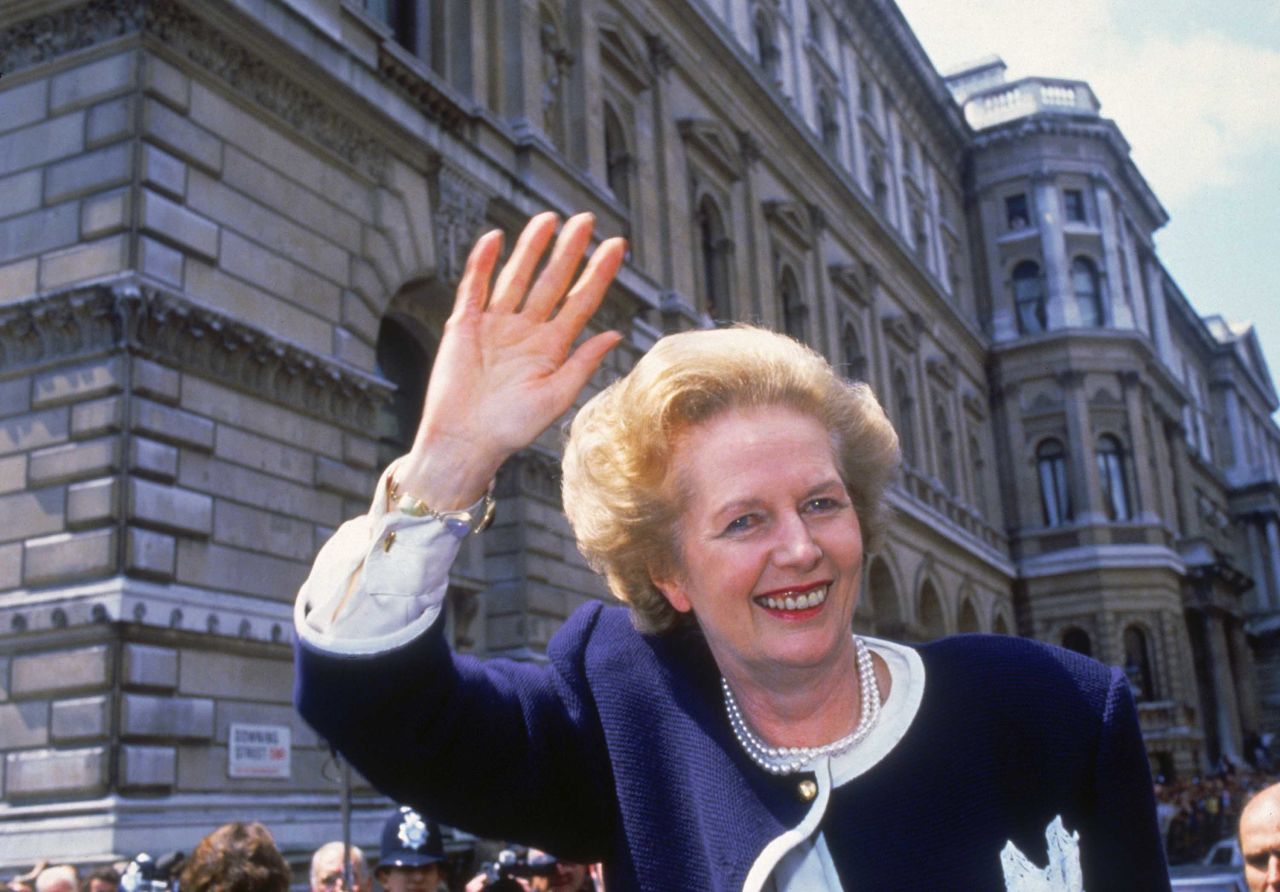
(388, 540)
(808, 789)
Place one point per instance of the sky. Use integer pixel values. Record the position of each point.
(1194, 86)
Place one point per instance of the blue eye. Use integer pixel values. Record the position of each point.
(741, 524)
(822, 504)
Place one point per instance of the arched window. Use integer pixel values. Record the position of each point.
(1137, 664)
(1077, 639)
(946, 449)
(767, 53)
(795, 315)
(1001, 625)
(405, 362)
(828, 125)
(1084, 283)
(617, 160)
(1051, 466)
(1115, 482)
(968, 618)
(906, 426)
(1028, 297)
(855, 362)
(714, 251)
(932, 621)
(885, 605)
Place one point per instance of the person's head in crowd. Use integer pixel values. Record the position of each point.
(327, 869)
(60, 878)
(412, 853)
(1260, 840)
(237, 857)
(102, 879)
(569, 876)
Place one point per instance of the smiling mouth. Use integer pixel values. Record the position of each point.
(795, 602)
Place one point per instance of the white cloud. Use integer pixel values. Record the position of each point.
(1198, 109)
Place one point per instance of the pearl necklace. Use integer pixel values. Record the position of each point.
(790, 759)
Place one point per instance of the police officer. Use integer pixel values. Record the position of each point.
(412, 853)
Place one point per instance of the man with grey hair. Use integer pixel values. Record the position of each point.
(60, 878)
(327, 873)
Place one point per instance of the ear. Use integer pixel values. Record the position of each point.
(672, 589)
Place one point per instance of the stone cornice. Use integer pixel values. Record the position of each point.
(47, 37)
(1078, 127)
(196, 339)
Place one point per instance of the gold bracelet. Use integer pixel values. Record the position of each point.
(461, 522)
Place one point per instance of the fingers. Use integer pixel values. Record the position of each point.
(473, 289)
(558, 273)
(570, 378)
(590, 287)
(513, 281)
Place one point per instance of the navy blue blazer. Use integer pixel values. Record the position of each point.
(618, 750)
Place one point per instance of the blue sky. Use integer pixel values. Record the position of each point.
(1195, 87)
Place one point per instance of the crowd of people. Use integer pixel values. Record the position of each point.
(243, 857)
(1196, 812)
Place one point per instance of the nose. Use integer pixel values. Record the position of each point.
(796, 546)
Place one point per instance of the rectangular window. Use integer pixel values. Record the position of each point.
(1073, 201)
(1016, 213)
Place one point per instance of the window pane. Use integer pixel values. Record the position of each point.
(1073, 201)
(1015, 211)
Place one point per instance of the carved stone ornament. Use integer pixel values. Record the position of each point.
(792, 219)
(169, 329)
(905, 328)
(942, 370)
(660, 55)
(46, 37)
(714, 144)
(460, 206)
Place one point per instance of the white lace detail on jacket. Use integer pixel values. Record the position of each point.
(1062, 873)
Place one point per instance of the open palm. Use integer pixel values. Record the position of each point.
(507, 368)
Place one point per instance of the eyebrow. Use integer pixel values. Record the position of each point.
(745, 504)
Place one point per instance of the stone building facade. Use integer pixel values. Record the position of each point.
(229, 235)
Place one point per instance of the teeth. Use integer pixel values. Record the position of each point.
(797, 602)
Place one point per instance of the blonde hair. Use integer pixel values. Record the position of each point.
(618, 490)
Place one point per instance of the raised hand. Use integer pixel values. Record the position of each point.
(506, 368)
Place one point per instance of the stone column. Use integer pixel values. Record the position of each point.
(825, 332)
(1224, 691)
(1086, 491)
(1273, 560)
(1129, 263)
(1242, 672)
(1025, 499)
(1121, 313)
(1144, 495)
(1262, 596)
(1184, 498)
(1004, 321)
(757, 274)
(1235, 428)
(879, 352)
(1061, 309)
(667, 178)
(1154, 284)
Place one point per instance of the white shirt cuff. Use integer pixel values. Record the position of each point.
(378, 583)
